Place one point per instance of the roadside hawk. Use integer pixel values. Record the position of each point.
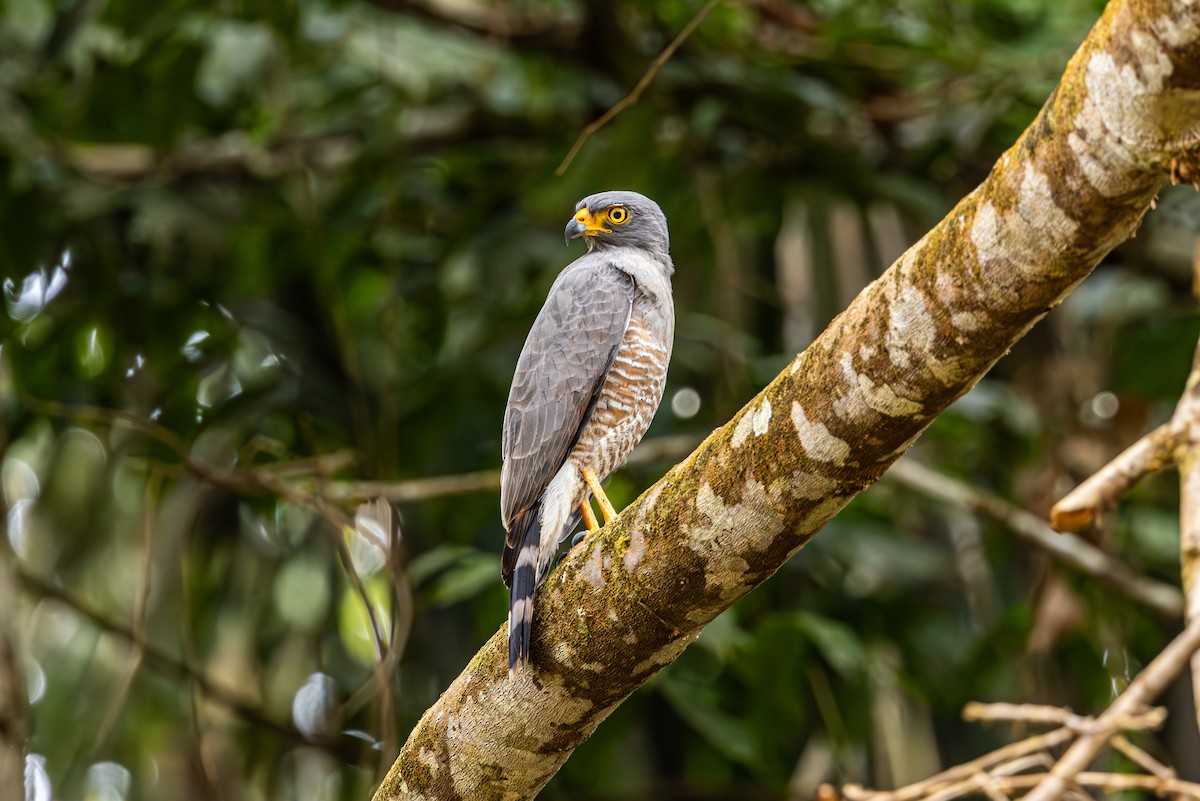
(586, 387)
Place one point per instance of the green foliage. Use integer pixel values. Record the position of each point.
(280, 231)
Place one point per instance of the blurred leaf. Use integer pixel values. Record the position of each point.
(466, 578)
(301, 592)
(1155, 533)
(235, 60)
(354, 622)
(839, 644)
(427, 565)
(728, 734)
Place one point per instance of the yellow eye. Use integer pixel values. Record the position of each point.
(618, 215)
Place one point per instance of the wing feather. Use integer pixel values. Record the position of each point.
(559, 376)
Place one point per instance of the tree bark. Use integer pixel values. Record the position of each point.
(1124, 118)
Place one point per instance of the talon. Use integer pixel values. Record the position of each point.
(579, 536)
(606, 507)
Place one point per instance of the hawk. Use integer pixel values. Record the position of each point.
(586, 386)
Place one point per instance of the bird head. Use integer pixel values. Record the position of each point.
(620, 219)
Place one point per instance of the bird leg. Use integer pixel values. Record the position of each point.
(589, 517)
(606, 507)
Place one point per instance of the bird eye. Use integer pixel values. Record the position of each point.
(619, 215)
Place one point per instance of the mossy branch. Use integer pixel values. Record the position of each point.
(1124, 119)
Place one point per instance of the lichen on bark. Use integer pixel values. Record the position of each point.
(1124, 118)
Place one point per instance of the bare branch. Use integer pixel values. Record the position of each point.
(251, 480)
(1187, 417)
(1069, 549)
(424, 489)
(967, 771)
(996, 773)
(137, 639)
(1108, 782)
(1176, 443)
(235, 154)
(1123, 782)
(1037, 713)
(171, 666)
(1148, 685)
(525, 24)
(1140, 758)
(1152, 453)
(420, 489)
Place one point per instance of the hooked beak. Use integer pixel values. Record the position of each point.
(584, 223)
(575, 229)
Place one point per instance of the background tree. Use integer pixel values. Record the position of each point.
(257, 252)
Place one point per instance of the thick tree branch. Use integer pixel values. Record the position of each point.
(1125, 117)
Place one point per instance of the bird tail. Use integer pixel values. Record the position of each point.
(527, 539)
(524, 570)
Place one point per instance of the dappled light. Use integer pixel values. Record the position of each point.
(27, 300)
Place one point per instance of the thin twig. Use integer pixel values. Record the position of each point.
(1067, 548)
(1022, 764)
(632, 98)
(1108, 782)
(124, 162)
(1112, 783)
(1008, 778)
(1012, 751)
(420, 489)
(167, 664)
(522, 23)
(1187, 417)
(423, 489)
(187, 641)
(1152, 453)
(1151, 718)
(246, 480)
(1148, 685)
(140, 607)
(1142, 759)
(1176, 443)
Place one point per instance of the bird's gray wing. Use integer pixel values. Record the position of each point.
(559, 375)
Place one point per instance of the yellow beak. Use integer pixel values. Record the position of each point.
(584, 223)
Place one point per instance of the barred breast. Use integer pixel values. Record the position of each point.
(630, 396)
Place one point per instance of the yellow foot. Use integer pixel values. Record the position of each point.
(589, 517)
(606, 507)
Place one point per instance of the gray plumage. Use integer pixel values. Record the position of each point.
(586, 386)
